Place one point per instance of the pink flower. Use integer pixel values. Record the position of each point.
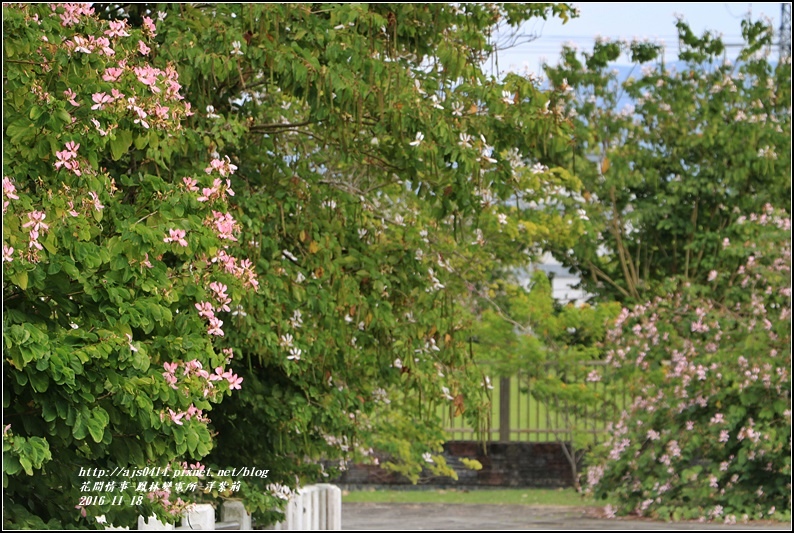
(177, 235)
(143, 49)
(98, 127)
(36, 221)
(8, 254)
(215, 327)
(141, 117)
(95, 200)
(205, 310)
(225, 224)
(724, 436)
(70, 97)
(234, 382)
(117, 29)
(129, 339)
(104, 44)
(161, 111)
(9, 189)
(170, 367)
(148, 76)
(100, 100)
(149, 27)
(176, 418)
(190, 183)
(112, 74)
(712, 275)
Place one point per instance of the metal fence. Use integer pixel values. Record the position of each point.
(519, 415)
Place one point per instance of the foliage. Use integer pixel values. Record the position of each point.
(668, 160)
(708, 430)
(106, 257)
(369, 156)
(557, 348)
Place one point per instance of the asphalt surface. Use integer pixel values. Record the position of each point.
(429, 516)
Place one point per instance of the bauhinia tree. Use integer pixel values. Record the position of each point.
(686, 198)
(670, 157)
(292, 200)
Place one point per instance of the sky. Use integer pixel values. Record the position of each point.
(631, 19)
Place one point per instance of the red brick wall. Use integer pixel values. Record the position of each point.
(514, 464)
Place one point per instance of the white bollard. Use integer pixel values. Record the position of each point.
(234, 511)
(153, 525)
(201, 516)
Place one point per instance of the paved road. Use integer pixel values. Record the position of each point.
(425, 516)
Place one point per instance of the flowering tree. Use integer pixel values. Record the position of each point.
(708, 431)
(684, 193)
(357, 155)
(109, 251)
(670, 159)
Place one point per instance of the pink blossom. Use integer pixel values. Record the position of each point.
(149, 27)
(100, 100)
(98, 127)
(95, 200)
(161, 111)
(176, 417)
(36, 221)
(215, 327)
(224, 168)
(148, 76)
(72, 13)
(112, 74)
(205, 310)
(234, 382)
(9, 189)
(190, 183)
(225, 224)
(712, 275)
(8, 254)
(177, 235)
(70, 97)
(117, 29)
(724, 435)
(143, 49)
(146, 262)
(141, 117)
(104, 44)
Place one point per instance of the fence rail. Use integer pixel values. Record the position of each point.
(311, 508)
(518, 415)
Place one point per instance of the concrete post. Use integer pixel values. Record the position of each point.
(201, 516)
(234, 511)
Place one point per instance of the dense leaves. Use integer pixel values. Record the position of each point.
(670, 157)
(358, 155)
(707, 433)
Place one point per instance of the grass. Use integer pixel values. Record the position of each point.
(474, 496)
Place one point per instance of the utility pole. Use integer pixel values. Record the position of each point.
(785, 31)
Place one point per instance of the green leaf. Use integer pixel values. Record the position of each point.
(79, 428)
(97, 423)
(20, 279)
(120, 144)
